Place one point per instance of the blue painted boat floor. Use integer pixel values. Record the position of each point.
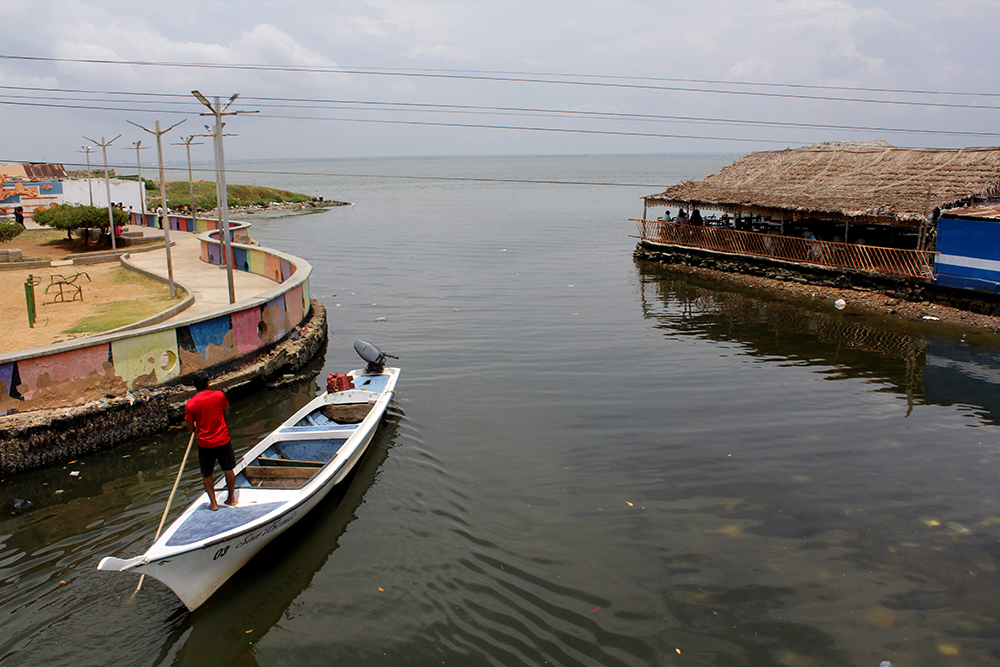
(203, 523)
(375, 383)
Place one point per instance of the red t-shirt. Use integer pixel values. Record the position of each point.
(207, 410)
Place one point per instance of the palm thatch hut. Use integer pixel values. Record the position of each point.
(868, 183)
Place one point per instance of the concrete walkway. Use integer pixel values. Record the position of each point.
(208, 283)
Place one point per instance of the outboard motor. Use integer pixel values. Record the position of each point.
(374, 356)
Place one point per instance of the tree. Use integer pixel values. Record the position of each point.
(70, 217)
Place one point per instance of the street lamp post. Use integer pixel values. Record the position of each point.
(87, 149)
(219, 110)
(137, 146)
(163, 199)
(187, 142)
(107, 184)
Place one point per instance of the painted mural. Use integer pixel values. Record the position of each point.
(29, 196)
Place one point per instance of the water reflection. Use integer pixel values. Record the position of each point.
(930, 370)
(48, 554)
(225, 629)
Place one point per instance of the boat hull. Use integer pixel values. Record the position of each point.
(198, 568)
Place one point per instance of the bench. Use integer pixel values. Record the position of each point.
(66, 284)
(280, 476)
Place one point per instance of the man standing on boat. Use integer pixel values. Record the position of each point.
(207, 411)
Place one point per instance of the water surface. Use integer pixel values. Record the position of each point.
(590, 461)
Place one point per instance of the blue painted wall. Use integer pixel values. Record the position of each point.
(969, 254)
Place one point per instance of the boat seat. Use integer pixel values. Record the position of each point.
(279, 476)
(289, 462)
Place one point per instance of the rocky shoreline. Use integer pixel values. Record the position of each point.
(276, 209)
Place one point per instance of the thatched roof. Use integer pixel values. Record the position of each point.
(32, 171)
(862, 182)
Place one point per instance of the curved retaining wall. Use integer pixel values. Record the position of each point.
(111, 364)
(49, 437)
(238, 231)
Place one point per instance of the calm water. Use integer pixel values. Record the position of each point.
(590, 462)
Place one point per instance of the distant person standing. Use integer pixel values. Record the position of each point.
(206, 411)
(19, 215)
(159, 216)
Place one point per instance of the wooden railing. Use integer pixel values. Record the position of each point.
(871, 259)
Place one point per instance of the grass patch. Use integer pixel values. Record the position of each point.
(179, 196)
(151, 298)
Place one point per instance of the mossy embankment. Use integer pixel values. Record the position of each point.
(179, 196)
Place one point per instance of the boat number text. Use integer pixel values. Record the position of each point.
(220, 553)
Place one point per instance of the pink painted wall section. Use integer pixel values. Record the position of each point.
(272, 268)
(246, 330)
(293, 305)
(70, 365)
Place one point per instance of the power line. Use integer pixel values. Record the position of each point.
(360, 105)
(381, 176)
(528, 78)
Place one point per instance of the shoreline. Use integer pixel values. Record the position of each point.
(858, 299)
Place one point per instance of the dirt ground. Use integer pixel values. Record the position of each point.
(48, 244)
(110, 289)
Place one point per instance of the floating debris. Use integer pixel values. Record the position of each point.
(18, 505)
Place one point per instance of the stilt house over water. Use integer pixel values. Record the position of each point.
(855, 206)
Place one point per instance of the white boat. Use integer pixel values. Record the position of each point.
(277, 483)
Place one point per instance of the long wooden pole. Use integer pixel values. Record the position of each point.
(170, 499)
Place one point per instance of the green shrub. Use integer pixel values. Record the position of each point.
(9, 230)
(69, 217)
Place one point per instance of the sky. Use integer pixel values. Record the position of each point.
(381, 78)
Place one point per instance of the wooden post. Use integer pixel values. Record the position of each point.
(922, 236)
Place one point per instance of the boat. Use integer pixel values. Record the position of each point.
(277, 482)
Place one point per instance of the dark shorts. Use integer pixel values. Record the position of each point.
(207, 456)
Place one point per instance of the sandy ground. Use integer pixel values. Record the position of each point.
(53, 318)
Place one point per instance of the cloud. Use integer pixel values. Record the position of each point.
(914, 44)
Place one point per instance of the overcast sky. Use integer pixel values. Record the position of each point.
(814, 48)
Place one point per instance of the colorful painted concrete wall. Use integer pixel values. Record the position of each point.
(88, 369)
(238, 231)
